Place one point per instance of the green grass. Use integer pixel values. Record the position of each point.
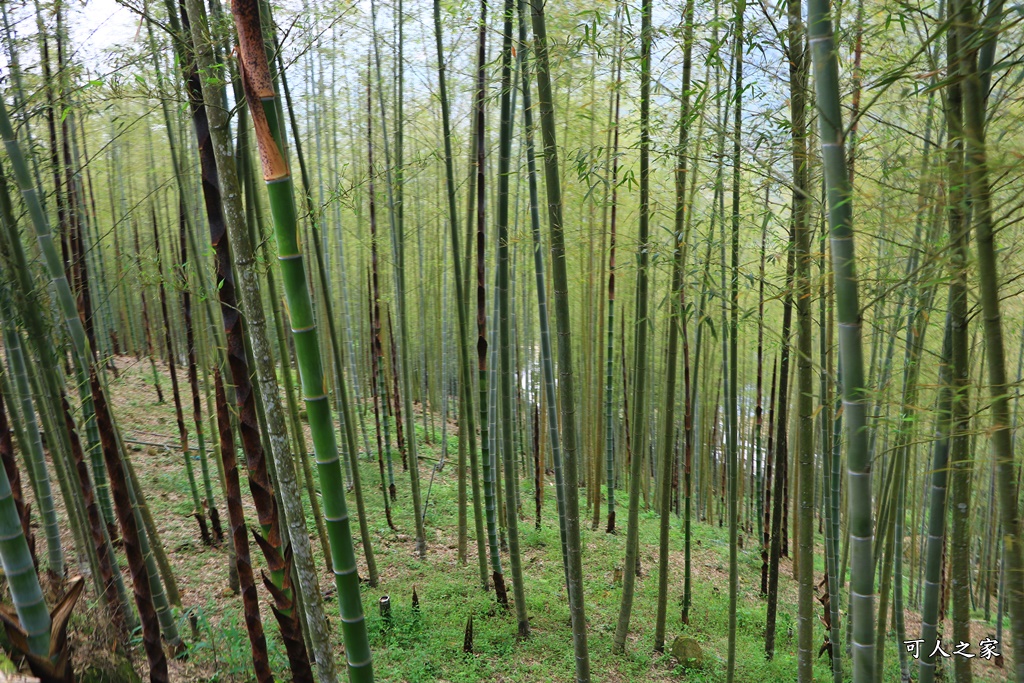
(427, 645)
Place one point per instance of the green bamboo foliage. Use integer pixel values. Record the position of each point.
(840, 215)
(261, 98)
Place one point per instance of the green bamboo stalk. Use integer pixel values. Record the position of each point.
(470, 385)
(19, 567)
(694, 413)
(387, 482)
(831, 456)
(348, 421)
(467, 421)
(47, 388)
(214, 352)
(493, 426)
(229, 337)
(112, 585)
(566, 386)
(504, 331)
(840, 213)
(8, 435)
(150, 598)
(641, 324)
(916, 330)
(546, 356)
(193, 381)
(381, 403)
(804, 455)
(33, 631)
(255, 219)
(486, 450)
(609, 373)
(150, 349)
(56, 87)
(732, 423)
(780, 453)
(261, 98)
(969, 29)
(960, 454)
(680, 239)
(395, 392)
(34, 458)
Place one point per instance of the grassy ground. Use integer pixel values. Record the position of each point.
(427, 645)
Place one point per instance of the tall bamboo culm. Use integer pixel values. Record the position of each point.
(855, 400)
(262, 99)
(566, 385)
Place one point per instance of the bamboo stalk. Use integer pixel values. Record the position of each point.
(262, 108)
(840, 213)
(504, 331)
(566, 386)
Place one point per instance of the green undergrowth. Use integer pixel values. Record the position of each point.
(426, 643)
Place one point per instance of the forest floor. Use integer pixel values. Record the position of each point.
(427, 645)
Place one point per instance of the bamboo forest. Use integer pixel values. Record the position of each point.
(511, 340)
